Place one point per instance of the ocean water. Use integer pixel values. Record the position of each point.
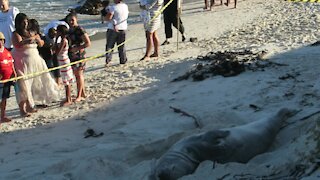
(45, 10)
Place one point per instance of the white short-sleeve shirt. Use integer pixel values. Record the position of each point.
(54, 24)
(120, 13)
(7, 24)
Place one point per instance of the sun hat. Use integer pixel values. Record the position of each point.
(2, 36)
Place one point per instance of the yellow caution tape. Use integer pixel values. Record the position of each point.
(31, 75)
(310, 1)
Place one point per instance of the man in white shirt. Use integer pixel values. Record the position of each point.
(54, 24)
(117, 26)
(7, 17)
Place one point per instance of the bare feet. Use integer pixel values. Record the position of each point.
(5, 119)
(32, 110)
(25, 114)
(66, 103)
(78, 99)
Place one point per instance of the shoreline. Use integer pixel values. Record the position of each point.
(98, 36)
(131, 103)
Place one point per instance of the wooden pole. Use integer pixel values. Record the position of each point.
(178, 22)
(178, 25)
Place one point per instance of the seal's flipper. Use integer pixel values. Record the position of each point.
(214, 135)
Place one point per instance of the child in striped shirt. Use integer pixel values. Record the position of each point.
(63, 59)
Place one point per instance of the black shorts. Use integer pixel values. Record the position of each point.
(56, 73)
(5, 90)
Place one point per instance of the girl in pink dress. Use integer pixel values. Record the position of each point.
(63, 59)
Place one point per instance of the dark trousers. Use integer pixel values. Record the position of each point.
(54, 63)
(114, 37)
(171, 19)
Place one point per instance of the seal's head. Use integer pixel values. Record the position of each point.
(163, 173)
(171, 167)
(168, 172)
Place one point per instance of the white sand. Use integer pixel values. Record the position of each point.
(131, 103)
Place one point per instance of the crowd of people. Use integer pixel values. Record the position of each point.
(24, 50)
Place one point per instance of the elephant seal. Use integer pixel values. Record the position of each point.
(237, 144)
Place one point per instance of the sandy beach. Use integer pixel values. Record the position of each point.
(132, 104)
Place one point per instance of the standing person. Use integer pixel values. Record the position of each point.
(54, 24)
(171, 16)
(79, 40)
(153, 9)
(50, 35)
(7, 17)
(41, 89)
(46, 52)
(33, 27)
(206, 4)
(104, 10)
(63, 59)
(50, 39)
(117, 27)
(6, 72)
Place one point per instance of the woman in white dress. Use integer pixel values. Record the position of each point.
(41, 88)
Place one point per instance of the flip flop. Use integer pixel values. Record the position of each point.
(145, 58)
(33, 110)
(26, 114)
(183, 38)
(41, 106)
(154, 55)
(165, 43)
(92, 133)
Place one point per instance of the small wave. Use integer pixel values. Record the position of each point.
(45, 11)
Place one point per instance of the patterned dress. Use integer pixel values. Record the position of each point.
(153, 8)
(75, 35)
(63, 58)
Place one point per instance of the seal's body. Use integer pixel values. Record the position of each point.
(237, 144)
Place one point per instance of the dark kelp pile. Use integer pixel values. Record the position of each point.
(90, 7)
(226, 64)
